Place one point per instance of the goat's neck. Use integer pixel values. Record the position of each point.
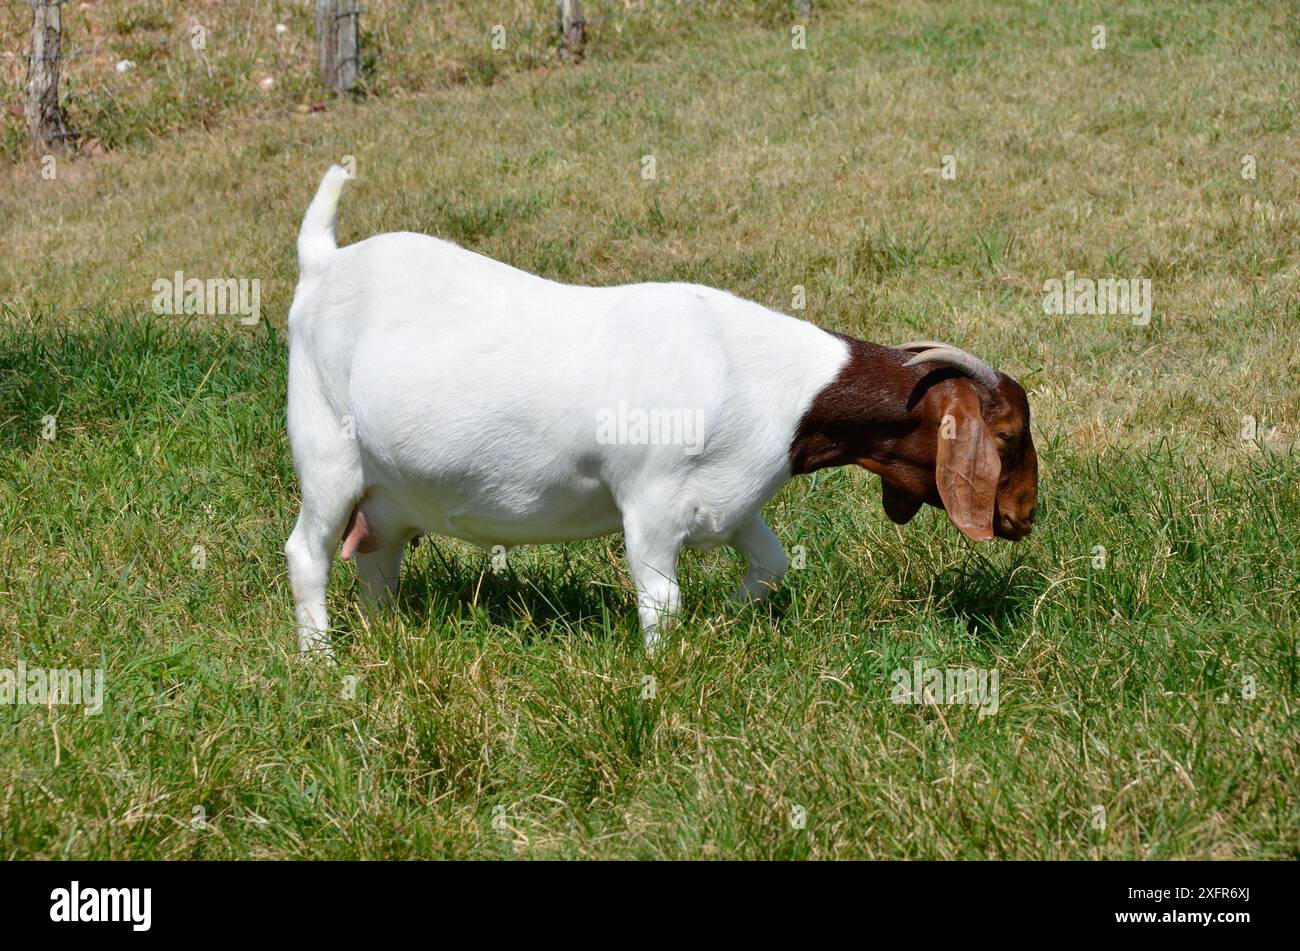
(859, 417)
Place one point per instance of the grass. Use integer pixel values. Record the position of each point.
(203, 65)
(509, 714)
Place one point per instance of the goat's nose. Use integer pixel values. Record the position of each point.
(1015, 528)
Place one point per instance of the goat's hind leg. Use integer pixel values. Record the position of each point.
(331, 482)
(309, 551)
(379, 572)
(377, 534)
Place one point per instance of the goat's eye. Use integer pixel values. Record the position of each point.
(1006, 437)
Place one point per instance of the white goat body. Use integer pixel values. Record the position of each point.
(434, 390)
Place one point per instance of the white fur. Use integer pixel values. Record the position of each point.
(460, 396)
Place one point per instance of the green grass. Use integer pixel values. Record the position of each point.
(1120, 687)
(507, 714)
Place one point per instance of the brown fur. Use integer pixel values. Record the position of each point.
(933, 435)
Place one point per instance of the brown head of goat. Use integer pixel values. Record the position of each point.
(939, 426)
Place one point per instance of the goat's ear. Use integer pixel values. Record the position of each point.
(899, 505)
(966, 465)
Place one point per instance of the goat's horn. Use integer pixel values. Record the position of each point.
(947, 355)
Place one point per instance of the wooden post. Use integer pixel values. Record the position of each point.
(44, 118)
(337, 44)
(573, 31)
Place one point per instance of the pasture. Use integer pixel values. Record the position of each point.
(919, 170)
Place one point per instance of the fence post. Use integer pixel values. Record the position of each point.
(44, 118)
(338, 44)
(573, 31)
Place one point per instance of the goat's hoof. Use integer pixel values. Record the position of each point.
(316, 646)
(752, 592)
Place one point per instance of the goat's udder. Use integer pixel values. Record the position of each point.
(357, 536)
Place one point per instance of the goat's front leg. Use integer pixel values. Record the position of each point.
(766, 560)
(652, 559)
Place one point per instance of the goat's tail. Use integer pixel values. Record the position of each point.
(316, 237)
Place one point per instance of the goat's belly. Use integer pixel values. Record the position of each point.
(489, 532)
(479, 508)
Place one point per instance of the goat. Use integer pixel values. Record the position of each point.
(434, 390)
